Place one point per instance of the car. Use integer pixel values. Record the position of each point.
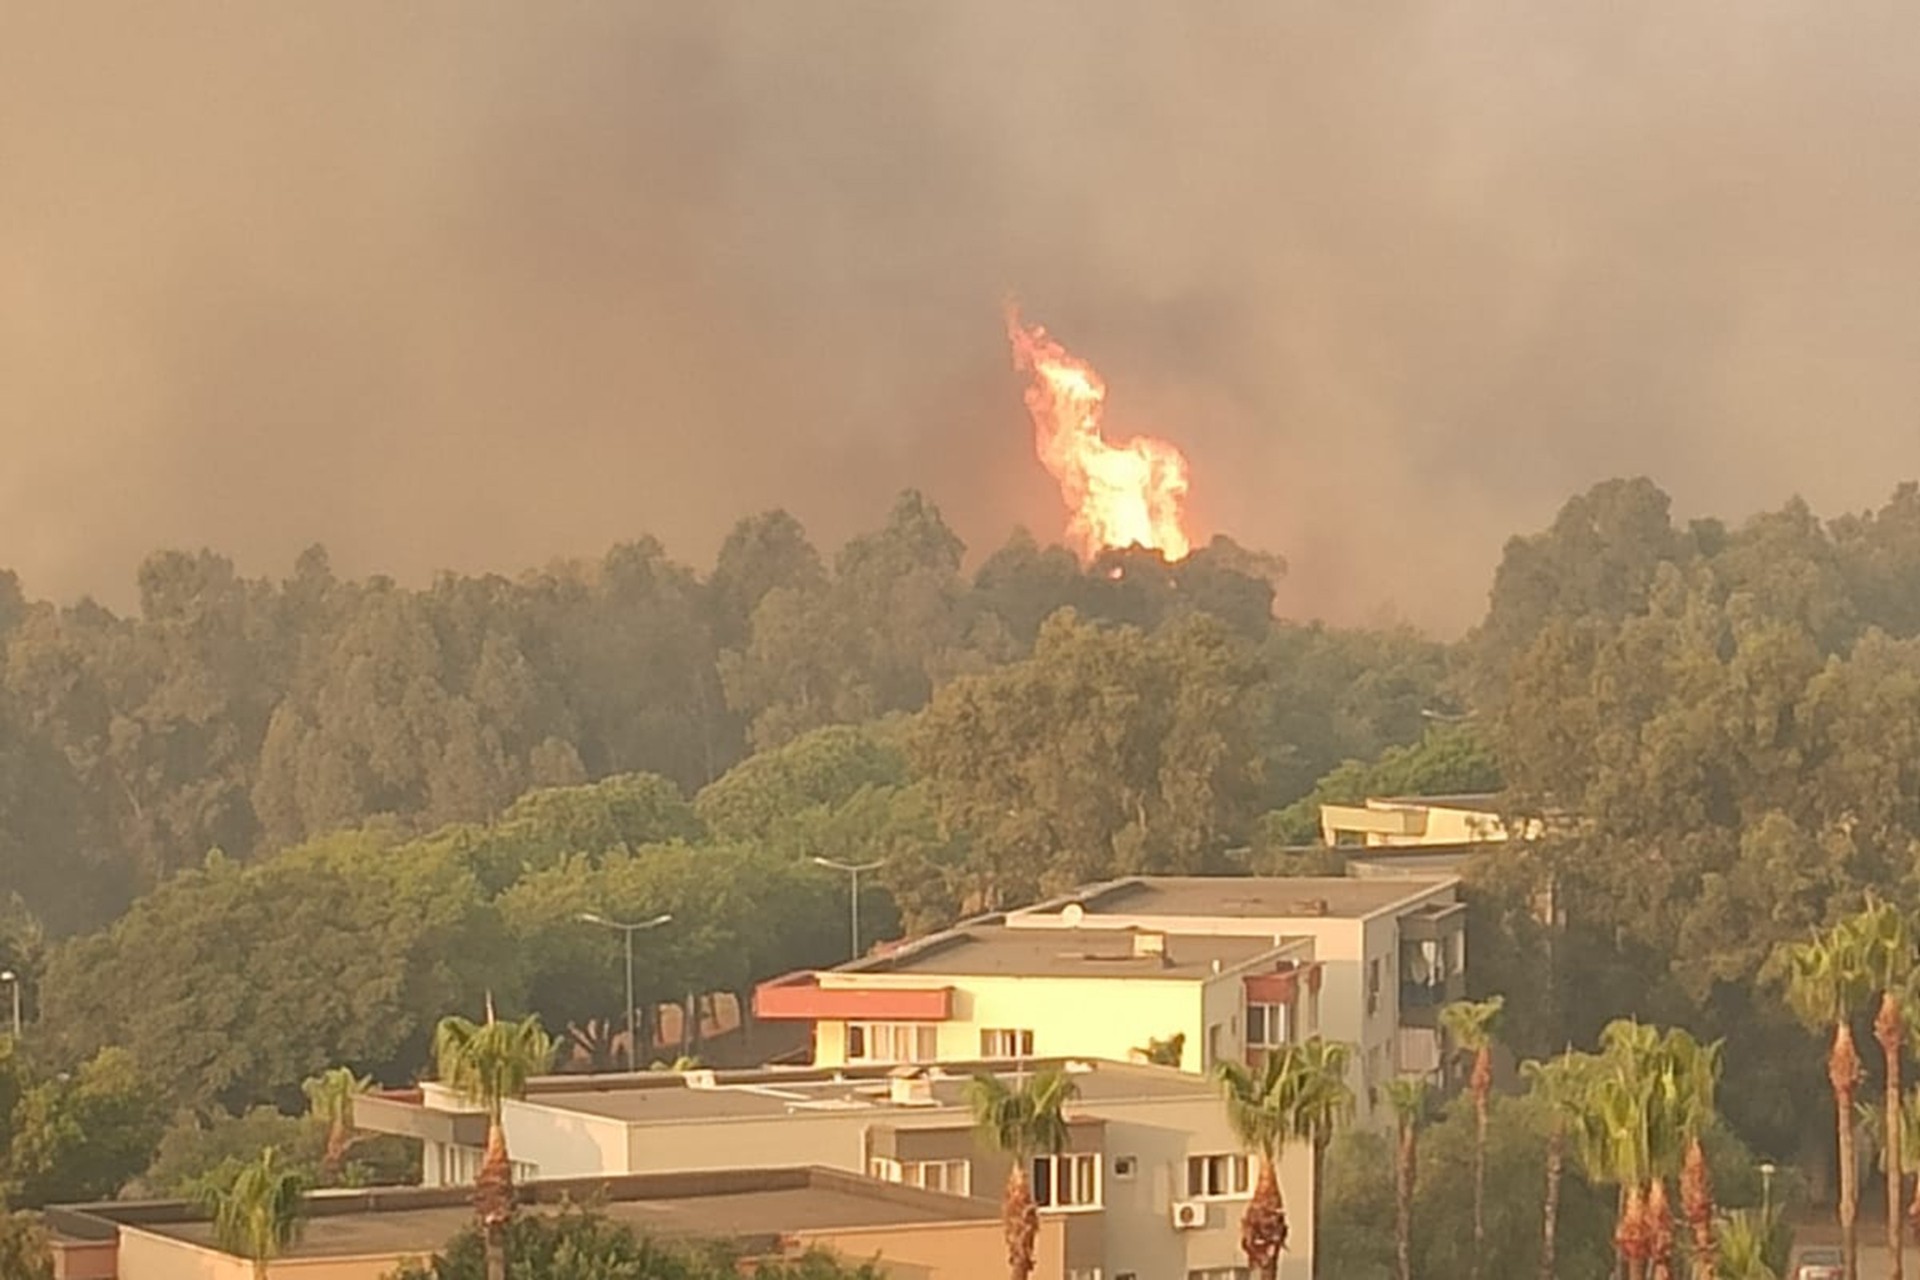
(1819, 1264)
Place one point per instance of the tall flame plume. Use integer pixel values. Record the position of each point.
(1119, 494)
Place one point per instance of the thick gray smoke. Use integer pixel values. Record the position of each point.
(471, 285)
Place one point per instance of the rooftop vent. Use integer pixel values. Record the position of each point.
(700, 1078)
(1149, 943)
(911, 1091)
(1308, 907)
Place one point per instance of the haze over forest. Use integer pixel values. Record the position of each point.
(476, 286)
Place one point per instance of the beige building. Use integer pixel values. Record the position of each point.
(364, 1235)
(991, 991)
(1401, 821)
(1386, 953)
(1150, 1187)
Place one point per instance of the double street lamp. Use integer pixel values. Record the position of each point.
(639, 926)
(854, 871)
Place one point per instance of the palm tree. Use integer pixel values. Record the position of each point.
(1561, 1084)
(1021, 1122)
(330, 1098)
(1470, 1023)
(1298, 1093)
(1408, 1098)
(1887, 952)
(1742, 1237)
(487, 1063)
(1648, 1099)
(1827, 978)
(257, 1216)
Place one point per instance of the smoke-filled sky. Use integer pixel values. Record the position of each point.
(473, 285)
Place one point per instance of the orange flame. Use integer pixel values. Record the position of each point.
(1120, 494)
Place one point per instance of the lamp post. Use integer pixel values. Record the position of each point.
(12, 979)
(1767, 1170)
(589, 917)
(853, 870)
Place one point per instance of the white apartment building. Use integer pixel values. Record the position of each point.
(1150, 1186)
(986, 990)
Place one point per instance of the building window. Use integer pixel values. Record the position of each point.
(955, 1177)
(1124, 1168)
(1269, 1026)
(1313, 1009)
(1220, 1273)
(997, 1042)
(1373, 986)
(892, 1042)
(1083, 1273)
(1217, 1177)
(1066, 1181)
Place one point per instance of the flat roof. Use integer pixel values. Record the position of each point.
(995, 950)
(755, 1205)
(1472, 801)
(1245, 897)
(650, 1098)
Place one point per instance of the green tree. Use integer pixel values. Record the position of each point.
(1742, 1245)
(1296, 1094)
(1407, 1095)
(1827, 978)
(1887, 944)
(1021, 1122)
(330, 1098)
(486, 1064)
(259, 1214)
(24, 1250)
(1560, 1085)
(82, 1135)
(1469, 1025)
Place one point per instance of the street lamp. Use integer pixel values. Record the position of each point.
(854, 871)
(12, 979)
(1767, 1170)
(589, 917)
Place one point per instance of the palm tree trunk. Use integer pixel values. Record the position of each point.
(1404, 1170)
(1696, 1199)
(493, 1198)
(1550, 1210)
(335, 1158)
(1843, 1073)
(1659, 1232)
(1481, 1083)
(1630, 1236)
(1887, 1029)
(1018, 1219)
(1263, 1227)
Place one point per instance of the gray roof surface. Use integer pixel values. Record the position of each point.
(998, 951)
(819, 1203)
(768, 1095)
(1246, 897)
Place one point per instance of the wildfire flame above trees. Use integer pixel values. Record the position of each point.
(1121, 494)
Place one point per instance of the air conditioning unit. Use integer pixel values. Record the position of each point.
(1189, 1215)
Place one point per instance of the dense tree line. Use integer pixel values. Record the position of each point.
(249, 715)
(339, 810)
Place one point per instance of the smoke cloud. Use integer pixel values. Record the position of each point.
(472, 285)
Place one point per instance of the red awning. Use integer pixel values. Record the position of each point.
(1281, 987)
(800, 996)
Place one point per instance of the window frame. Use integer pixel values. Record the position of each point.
(1022, 1038)
(1238, 1169)
(1046, 1187)
(1266, 1017)
(922, 1039)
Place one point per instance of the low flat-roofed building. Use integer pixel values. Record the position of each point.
(364, 1235)
(983, 990)
(1390, 821)
(1387, 952)
(1151, 1183)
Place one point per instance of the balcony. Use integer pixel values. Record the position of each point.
(1420, 1001)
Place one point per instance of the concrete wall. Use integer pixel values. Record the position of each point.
(146, 1255)
(567, 1144)
(956, 1251)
